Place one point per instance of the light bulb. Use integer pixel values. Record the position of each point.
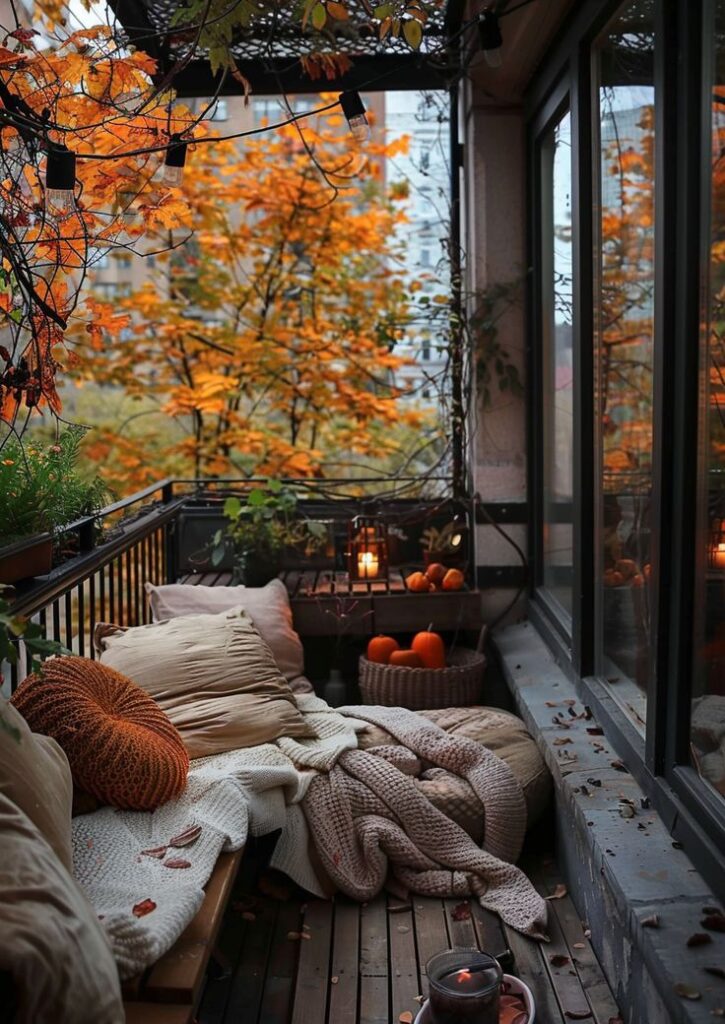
(174, 163)
(489, 34)
(354, 110)
(60, 179)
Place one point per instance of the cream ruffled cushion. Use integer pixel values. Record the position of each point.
(213, 675)
(268, 607)
(36, 777)
(54, 955)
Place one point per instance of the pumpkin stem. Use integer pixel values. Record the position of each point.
(430, 626)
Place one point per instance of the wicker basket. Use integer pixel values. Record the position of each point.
(456, 685)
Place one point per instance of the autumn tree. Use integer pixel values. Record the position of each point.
(269, 341)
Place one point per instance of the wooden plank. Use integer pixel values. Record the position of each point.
(313, 972)
(157, 1013)
(489, 931)
(323, 586)
(431, 933)
(462, 933)
(208, 579)
(345, 953)
(531, 969)
(178, 975)
(224, 579)
(279, 985)
(342, 583)
(396, 583)
(374, 1007)
(566, 926)
(247, 989)
(192, 579)
(405, 983)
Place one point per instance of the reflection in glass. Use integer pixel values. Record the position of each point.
(708, 711)
(556, 261)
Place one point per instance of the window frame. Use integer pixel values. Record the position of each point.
(659, 760)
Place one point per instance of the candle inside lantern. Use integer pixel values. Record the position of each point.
(464, 987)
(367, 565)
(718, 555)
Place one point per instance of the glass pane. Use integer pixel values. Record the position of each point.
(708, 710)
(556, 262)
(624, 318)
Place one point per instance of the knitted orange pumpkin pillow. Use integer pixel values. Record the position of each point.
(120, 745)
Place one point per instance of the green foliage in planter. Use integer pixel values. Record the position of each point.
(41, 489)
(265, 525)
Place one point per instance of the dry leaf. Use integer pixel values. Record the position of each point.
(559, 960)
(143, 908)
(717, 972)
(304, 935)
(653, 921)
(595, 730)
(580, 945)
(406, 1017)
(334, 980)
(561, 741)
(403, 929)
(400, 908)
(577, 1014)
(714, 922)
(293, 936)
(462, 912)
(247, 915)
(159, 852)
(687, 991)
(176, 862)
(187, 837)
(559, 893)
(699, 939)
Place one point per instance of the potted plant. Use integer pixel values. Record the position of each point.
(41, 491)
(261, 528)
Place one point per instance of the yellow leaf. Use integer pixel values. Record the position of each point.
(413, 34)
(319, 16)
(338, 11)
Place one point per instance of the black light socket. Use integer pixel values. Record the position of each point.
(176, 153)
(60, 170)
(352, 105)
(489, 31)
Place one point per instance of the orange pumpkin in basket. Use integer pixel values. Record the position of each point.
(417, 582)
(435, 572)
(381, 648)
(408, 659)
(453, 580)
(429, 647)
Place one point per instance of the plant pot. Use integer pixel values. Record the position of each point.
(255, 570)
(31, 556)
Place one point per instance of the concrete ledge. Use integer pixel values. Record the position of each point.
(621, 870)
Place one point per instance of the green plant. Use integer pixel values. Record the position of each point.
(14, 628)
(41, 489)
(264, 525)
(492, 361)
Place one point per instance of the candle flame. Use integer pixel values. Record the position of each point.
(464, 975)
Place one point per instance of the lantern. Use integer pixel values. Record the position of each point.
(716, 550)
(367, 550)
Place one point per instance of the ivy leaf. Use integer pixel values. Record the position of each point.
(413, 33)
(319, 16)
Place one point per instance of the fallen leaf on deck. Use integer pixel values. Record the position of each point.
(293, 936)
(719, 1012)
(403, 929)
(653, 921)
(159, 852)
(687, 991)
(561, 741)
(334, 980)
(595, 730)
(615, 1020)
(619, 766)
(552, 703)
(577, 1014)
(558, 960)
(717, 972)
(143, 908)
(304, 935)
(461, 912)
(400, 909)
(176, 862)
(580, 945)
(187, 837)
(559, 893)
(699, 939)
(248, 915)
(419, 999)
(406, 1017)
(711, 910)
(714, 922)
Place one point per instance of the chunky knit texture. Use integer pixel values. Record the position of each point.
(121, 747)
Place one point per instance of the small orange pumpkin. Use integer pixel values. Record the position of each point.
(408, 659)
(453, 580)
(435, 572)
(381, 648)
(429, 646)
(417, 582)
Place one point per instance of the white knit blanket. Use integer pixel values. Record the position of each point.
(252, 791)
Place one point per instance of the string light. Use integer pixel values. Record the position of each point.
(60, 180)
(354, 110)
(489, 33)
(174, 163)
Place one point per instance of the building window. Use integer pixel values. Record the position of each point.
(624, 352)
(220, 111)
(708, 690)
(556, 345)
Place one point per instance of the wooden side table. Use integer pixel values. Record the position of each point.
(320, 600)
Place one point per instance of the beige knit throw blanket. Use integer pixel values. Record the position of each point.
(372, 827)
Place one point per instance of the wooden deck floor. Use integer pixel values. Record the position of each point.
(309, 961)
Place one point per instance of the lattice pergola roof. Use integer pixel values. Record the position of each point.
(268, 54)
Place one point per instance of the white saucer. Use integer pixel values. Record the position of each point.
(516, 986)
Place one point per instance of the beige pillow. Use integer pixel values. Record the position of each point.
(213, 675)
(268, 607)
(36, 777)
(51, 943)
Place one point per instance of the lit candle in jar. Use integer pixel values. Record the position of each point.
(367, 565)
(464, 988)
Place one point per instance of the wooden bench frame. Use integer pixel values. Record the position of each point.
(169, 992)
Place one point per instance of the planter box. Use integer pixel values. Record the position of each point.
(32, 556)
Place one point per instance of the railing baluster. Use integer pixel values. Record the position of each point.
(102, 594)
(129, 599)
(56, 621)
(118, 563)
(113, 617)
(92, 612)
(145, 552)
(68, 609)
(136, 561)
(81, 618)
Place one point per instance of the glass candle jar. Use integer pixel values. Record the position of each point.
(464, 987)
